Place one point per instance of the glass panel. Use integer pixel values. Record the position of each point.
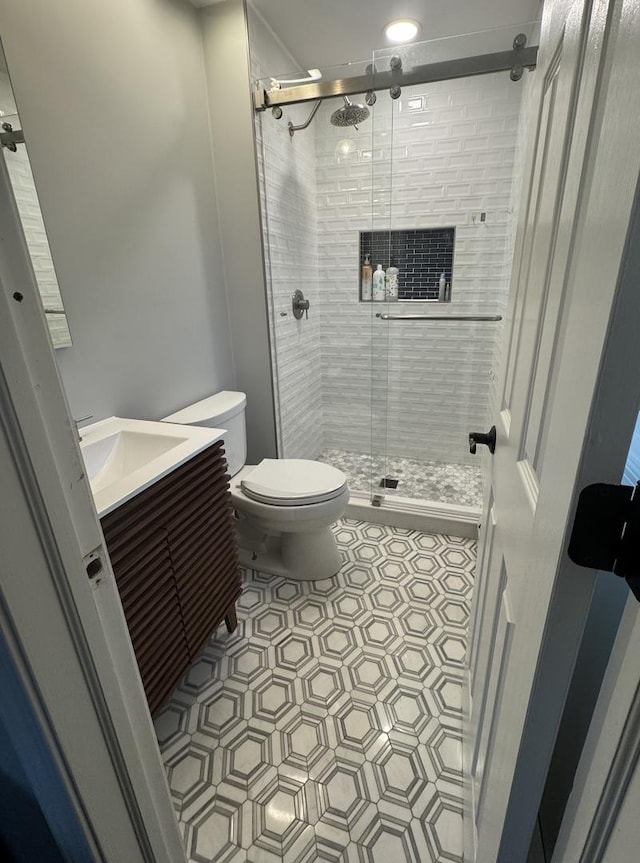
(444, 156)
(316, 202)
(381, 219)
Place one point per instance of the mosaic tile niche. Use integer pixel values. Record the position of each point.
(421, 256)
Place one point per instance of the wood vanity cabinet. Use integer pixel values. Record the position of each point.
(174, 554)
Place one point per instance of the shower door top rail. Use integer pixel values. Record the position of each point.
(387, 317)
(515, 61)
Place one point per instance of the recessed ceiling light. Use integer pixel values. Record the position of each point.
(402, 30)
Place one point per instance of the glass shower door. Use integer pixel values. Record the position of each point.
(444, 187)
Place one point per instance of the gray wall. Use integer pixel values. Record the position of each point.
(113, 101)
(226, 57)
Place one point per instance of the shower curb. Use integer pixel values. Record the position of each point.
(408, 514)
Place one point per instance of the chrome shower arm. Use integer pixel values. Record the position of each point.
(293, 129)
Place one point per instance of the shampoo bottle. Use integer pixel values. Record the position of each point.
(378, 285)
(365, 294)
(442, 288)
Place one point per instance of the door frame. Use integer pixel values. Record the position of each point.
(604, 452)
(65, 632)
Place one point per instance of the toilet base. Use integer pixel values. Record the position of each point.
(297, 556)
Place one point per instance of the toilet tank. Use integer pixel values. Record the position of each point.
(224, 410)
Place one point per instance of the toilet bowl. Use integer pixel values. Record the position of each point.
(285, 508)
(288, 532)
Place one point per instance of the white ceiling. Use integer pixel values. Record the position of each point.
(320, 33)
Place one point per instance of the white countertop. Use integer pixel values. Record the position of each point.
(124, 456)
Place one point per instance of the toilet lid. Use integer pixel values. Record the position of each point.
(293, 482)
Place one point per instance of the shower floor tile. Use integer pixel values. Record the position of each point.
(328, 726)
(420, 480)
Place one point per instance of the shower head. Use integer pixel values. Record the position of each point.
(349, 114)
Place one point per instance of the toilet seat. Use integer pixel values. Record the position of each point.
(293, 482)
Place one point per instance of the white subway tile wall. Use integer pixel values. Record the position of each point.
(287, 167)
(347, 380)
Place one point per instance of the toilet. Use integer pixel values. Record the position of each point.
(285, 508)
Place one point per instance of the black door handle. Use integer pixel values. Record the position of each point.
(488, 439)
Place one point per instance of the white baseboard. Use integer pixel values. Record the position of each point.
(409, 514)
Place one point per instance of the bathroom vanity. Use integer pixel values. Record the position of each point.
(174, 554)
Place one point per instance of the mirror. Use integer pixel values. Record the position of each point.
(24, 190)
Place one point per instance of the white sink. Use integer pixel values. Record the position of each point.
(122, 456)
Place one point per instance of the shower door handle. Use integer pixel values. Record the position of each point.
(488, 439)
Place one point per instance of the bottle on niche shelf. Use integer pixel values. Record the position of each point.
(365, 292)
(379, 291)
(442, 288)
(391, 283)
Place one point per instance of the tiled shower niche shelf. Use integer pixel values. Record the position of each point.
(420, 254)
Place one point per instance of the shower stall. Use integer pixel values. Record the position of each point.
(408, 160)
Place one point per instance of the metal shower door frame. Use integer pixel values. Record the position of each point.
(514, 61)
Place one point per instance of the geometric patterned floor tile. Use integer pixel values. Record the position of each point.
(441, 825)
(222, 711)
(215, 831)
(247, 757)
(408, 709)
(343, 794)
(328, 726)
(306, 739)
(370, 672)
(281, 816)
(387, 839)
(188, 773)
(400, 773)
(358, 725)
(323, 684)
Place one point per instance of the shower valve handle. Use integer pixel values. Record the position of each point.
(299, 305)
(488, 439)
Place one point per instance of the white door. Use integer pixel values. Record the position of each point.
(530, 604)
(601, 823)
